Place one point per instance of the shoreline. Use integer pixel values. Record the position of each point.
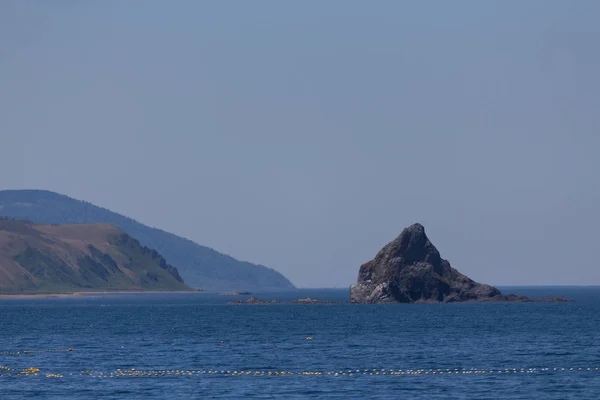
(82, 294)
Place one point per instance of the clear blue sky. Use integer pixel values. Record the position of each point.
(305, 135)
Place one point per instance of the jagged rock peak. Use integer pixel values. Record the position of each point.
(414, 245)
(410, 269)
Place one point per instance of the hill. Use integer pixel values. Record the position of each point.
(201, 267)
(62, 258)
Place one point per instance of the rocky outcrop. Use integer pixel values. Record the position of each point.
(307, 300)
(254, 300)
(410, 270)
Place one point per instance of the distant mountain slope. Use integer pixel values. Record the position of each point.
(61, 258)
(201, 267)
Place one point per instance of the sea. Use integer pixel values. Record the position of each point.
(196, 346)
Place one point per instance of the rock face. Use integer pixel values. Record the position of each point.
(411, 270)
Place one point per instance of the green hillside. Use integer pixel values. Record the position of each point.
(201, 267)
(63, 258)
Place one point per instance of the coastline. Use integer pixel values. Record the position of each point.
(81, 294)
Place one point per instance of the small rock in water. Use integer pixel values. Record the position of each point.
(307, 300)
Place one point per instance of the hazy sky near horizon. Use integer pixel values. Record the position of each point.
(306, 135)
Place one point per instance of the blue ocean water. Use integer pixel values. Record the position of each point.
(183, 345)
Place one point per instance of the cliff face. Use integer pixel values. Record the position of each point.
(410, 269)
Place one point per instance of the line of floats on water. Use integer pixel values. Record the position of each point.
(154, 373)
(133, 372)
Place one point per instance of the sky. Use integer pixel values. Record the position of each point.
(306, 135)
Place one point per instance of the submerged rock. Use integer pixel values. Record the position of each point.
(410, 270)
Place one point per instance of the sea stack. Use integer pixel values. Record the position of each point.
(410, 270)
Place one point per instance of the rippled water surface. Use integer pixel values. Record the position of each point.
(188, 342)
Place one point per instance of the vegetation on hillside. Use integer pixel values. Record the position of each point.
(200, 266)
(46, 259)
